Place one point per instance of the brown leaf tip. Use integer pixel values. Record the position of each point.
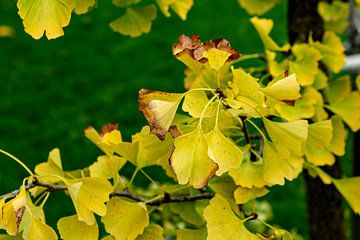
(108, 128)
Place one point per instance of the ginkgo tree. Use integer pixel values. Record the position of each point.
(234, 133)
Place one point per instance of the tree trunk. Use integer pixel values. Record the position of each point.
(325, 210)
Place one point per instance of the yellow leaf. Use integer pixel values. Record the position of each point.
(216, 57)
(275, 68)
(335, 15)
(339, 136)
(71, 228)
(349, 188)
(279, 163)
(320, 81)
(8, 218)
(293, 135)
(159, 109)
(107, 167)
(41, 231)
(250, 174)
(106, 139)
(191, 234)
(135, 21)
(332, 51)
(286, 88)
(320, 134)
(223, 224)
(195, 102)
(41, 16)
(83, 6)
(257, 7)
(320, 113)
(338, 89)
(244, 195)
(53, 166)
(180, 7)
(190, 160)
(223, 151)
(264, 27)
(152, 232)
(125, 220)
(305, 64)
(349, 110)
(88, 196)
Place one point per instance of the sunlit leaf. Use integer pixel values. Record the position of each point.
(195, 102)
(276, 68)
(320, 81)
(257, 7)
(180, 7)
(159, 109)
(135, 21)
(124, 219)
(106, 167)
(222, 223)
(264, 27)
(305, 64)
(41, 231)
(244, 195)
(53, 166)
(286, 88)
(190, 160)
(191, 234)
(349, 188)
(339, 136)
(41, 16)
(104, 140)
(71, 228)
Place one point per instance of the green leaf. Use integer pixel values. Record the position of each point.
(159, 109)
(125, 220)
(223, 224)
(349, 188)
(191, 234)
(125, 3)
(71, 228)
(187, 211)
(135, 21)
(257, 7)
(305, 64)
(41, 16)
(190, 160)
(264, 27)
(180, 7)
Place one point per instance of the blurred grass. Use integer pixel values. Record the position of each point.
(51, 90)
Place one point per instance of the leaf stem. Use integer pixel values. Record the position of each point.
(257, 128)
(205, 108)
(133, 177)
(148, 177)
(17, 160)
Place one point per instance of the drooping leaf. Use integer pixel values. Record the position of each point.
(89, 195)
(124, 219)
(305, 64)
(180, 7)
(152, 232)
(159, 109)
(135, 21)
(83, 6)
(191, 234)
(244, 195)
(257, 7)
(349, 188)
(41, 16)
(226, 227)
(190, 160)
(339, 136)
(286, 88)
(71, 228)
(263, 27)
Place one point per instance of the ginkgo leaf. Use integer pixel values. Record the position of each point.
(124, 219)
(190, 160)
(8, 218)
(41, 16)
(226, 227)
(275, 68)
(41, 231)
(335, 15)
(338, 89)
(264, 27)
(320, 81)
(339, 136)
(257, 7)
(107, 167)
(223, 151)
(195, 102)
(286, 88)
(250, 174)
(244, 195)
(53, 166)
(279, 163)
(349, 188)
(216, 57)
(135, 21)
(105, 140)
(191, 234)
(88, 196)
(71, 228)
(349, 110)
(319, 137)
(187, 212)
(180, 7)
(283, 234)
(305, 64)
(159, 109)
(125, 3)
(293, 135)
(320, 113)
(318, 172)
(152, 232)
(332, 51)
(83, 6)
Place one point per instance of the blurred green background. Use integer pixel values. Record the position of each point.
(51, 90)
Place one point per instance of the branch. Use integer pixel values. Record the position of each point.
(157, 202)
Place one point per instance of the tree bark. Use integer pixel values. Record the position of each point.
(325, 209)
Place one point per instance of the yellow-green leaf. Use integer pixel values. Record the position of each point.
(191, 234)
(243, 195)
(357, 81)
(264, 27)
(305, 64)
(187, 211)
(159, 109)
(190, 160)
(250, 174)
(223, 224)
(53, 166)
(135, 21)
(41, 16)
(320, 81)
(339, 136)
(125, 220)
(152, 232)
(180, 7)
(195, 102)
(71, 228)
(107, 167)
(124, 3)
(338, 89)
(335, 15)
(286, 88)
(257, 7)
(83, 6)
(41, 231)
(349, 188)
